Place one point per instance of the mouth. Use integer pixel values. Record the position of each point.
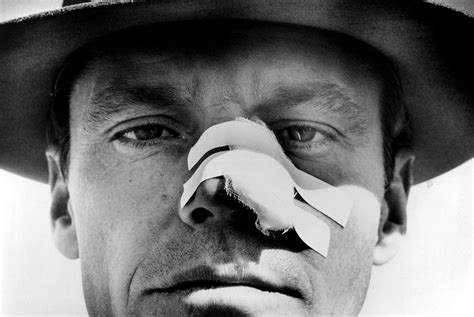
(206, 278)
(195, 285)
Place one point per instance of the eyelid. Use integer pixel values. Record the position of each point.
(308, 150)
(178, 144)
(132, 129)
(321, 127)
(128, 125)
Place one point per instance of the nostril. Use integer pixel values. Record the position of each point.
(199, 215)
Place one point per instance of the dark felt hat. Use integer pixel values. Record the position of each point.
(429, 45)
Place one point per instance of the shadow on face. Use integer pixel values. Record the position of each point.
(141, 99)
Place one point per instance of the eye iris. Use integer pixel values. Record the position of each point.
(148, 132)
(301, 134)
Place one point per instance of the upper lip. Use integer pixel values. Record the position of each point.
(207, 277)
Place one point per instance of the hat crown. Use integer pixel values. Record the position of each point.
(425, 42)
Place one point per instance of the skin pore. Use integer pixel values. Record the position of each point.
(137, 109)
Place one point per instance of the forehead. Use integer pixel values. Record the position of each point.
(232, 54)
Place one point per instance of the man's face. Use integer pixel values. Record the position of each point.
(136, 112)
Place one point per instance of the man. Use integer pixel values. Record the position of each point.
(128, 107)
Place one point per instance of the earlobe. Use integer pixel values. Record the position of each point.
(62, 217)
(393, 221)
(390, 238)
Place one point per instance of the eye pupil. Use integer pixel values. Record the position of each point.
(301, 134)
(147, 133)
(295, 134)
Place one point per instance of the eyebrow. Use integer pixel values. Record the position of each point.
(122, 96)
(325, 97)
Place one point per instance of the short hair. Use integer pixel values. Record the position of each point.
(396, 132)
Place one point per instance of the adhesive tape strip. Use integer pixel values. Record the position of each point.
(263, 184)
(242, 133)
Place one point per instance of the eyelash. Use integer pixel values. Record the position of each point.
(141, 144)
(294, 146)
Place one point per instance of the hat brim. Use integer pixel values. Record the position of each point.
(428, 45)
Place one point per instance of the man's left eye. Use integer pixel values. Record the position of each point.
(301, 134)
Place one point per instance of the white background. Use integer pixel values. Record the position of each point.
(432, 274)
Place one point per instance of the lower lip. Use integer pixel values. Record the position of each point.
(245, 298)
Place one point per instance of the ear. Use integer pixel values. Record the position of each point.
(393, 221)
(62, 218)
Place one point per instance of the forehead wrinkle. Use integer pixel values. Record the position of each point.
(121, 96)
(241, 87)
(256, 85)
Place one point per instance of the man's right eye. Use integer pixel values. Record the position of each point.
(149, 132)
(146, 135)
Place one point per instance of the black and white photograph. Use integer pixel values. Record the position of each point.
(236, 157)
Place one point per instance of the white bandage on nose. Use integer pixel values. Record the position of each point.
(261, 176)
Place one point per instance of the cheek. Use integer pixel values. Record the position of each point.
(121, 209)
(357, 240)
(365, 215)
(349, 262)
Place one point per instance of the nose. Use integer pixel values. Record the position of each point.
(213, 206)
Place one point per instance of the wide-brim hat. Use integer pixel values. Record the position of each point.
(429, 45)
